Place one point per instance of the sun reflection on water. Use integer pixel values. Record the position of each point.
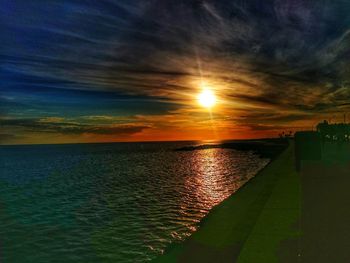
(209, 169)
(218, 173)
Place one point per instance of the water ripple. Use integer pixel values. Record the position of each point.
(110, 202)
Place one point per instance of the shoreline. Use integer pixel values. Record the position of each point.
(227, 232)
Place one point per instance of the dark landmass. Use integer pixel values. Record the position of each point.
(265, 148)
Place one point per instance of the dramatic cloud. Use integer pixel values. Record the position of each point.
(280, 64)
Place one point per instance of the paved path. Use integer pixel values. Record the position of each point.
(325, 218)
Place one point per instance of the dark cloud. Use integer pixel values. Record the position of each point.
(70, 128)
(262, 127)
(6, 137)
(274, 118)
(271, 100)
(104, 42)
(288, 56)
(273, 127)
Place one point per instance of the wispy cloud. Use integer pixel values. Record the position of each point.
(60, 125)
(262, 57)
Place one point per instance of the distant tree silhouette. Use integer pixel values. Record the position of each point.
(286, 135)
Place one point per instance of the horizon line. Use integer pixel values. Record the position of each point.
(146, 141)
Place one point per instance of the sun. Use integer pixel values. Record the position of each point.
(207, 98)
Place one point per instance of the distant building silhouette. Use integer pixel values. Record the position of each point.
(339, 132)
(309, 144)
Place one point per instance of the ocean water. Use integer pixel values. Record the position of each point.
(120, 202)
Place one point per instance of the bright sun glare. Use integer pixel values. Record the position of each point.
(207, 98)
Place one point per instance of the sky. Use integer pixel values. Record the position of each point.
(131, 70)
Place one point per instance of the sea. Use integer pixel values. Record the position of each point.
(110, 202)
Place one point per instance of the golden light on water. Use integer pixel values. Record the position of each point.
(207, 98)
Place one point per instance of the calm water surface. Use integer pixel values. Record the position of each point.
(122, 202)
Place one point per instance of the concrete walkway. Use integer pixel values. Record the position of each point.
(278, 221)
(325, 218)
